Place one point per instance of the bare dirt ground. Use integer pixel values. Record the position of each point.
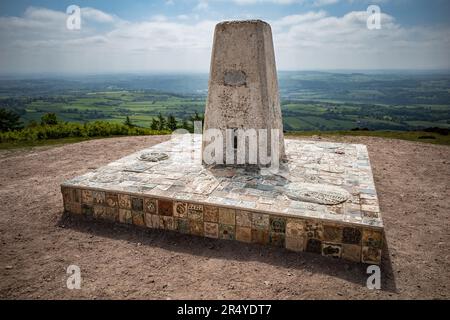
(38, 242)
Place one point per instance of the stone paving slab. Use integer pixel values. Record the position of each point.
(322, 200)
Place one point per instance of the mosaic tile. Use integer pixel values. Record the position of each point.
(76, 195)
(243, 218)
(150, 205)
(87, 210)
(75, 208)
(86, 197)
(211, 230)
(182, 225)
(227, 216)
(67, 195)
(260, 236)
(371, 255)
(211, 214)
(124, 201)
(155, 221)
(195, 212)
(244, 234)
(277, 239)
(351, 235)
(260, 221)
(351, 252)
(332, 233)
(226, 231)
(111, 200)
(295, 228)
(111, 214)
(372, 238)
(295, 244)
(137, 204)
(331, 250)
(167, 223)
(99, 212)
(125, 216)
(165, 207)
(99, 197)
(314, 246)
(277, 224)
(196, 227)
(138, 218)
(314, 230)
(180, 209)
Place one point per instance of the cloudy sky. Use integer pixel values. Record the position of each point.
(176, 35)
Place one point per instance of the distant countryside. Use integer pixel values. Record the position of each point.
(148, 104)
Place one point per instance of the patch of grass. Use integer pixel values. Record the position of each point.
(417, 136)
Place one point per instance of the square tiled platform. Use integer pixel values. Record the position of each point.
(322, 200)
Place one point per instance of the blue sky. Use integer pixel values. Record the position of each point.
(176, 35)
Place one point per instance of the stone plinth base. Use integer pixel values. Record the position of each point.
(323, 200)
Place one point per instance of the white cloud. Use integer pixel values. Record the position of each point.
(38, 41)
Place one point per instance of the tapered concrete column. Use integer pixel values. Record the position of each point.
(243, 85)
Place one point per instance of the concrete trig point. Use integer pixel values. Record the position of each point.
(243, 89)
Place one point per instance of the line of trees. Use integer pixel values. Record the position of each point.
(12, 129)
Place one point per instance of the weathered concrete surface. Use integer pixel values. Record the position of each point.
(243, 85)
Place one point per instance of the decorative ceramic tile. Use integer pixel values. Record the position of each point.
(99, 212)
(332, 233)
(87, 210)
(150, 205)
(111, 200)
(86, 197)
(76, 195)
(243, 218)
(227, 216)
(371, 255)
(211, 214)
(351, 235)
(182, 225)
(331, 250)
(372, 238)
(243, 234)
(75, 208)
(196, 227)
(112, 214)
(180, 209)
(314, 230)
(260, 236)
(156, 221)
(211, 230)
(137, 204)
(125, 216)
(260, 221)
(67, 194)
(167, 223)
(195, 212)
(277, 239)
(138, 218)
(99, 197)
(314, 246)
(277, 224)
(124, 201)
(165, 207)
(295, 228)
(226, 231)
(295, 244)
(351, 252)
